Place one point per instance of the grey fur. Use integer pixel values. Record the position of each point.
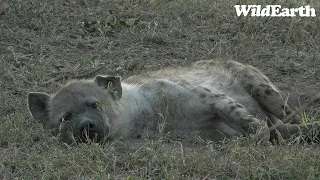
(215, 98)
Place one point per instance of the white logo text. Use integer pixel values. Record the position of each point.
(274, 11)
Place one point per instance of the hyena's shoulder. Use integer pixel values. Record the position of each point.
(200, 69)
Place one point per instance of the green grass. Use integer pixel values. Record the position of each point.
(45, 43)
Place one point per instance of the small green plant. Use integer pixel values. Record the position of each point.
(305, 118)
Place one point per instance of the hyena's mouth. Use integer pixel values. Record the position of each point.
(83, 134)
(83, 137)
(89, 131)
(87, 136)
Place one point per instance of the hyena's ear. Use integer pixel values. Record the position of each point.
(38, 106)
(112, 83)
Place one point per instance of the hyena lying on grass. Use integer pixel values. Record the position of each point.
(216, 99)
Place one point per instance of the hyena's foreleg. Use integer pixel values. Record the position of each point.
(236, 116)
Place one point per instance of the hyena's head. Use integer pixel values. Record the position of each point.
(80, 111)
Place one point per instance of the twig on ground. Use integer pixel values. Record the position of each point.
(75, 76)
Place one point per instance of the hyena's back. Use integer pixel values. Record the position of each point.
(222, 76)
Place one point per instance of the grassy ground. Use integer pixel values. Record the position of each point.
(44, 43)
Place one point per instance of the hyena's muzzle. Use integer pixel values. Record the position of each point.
(83, 128)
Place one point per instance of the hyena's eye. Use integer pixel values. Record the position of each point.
(66, 117)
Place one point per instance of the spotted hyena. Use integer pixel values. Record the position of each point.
(215, 99)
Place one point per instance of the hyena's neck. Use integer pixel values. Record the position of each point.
(128, 109)
(131, 100)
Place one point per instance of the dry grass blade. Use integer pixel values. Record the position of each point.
(305, 106)
(78, 76)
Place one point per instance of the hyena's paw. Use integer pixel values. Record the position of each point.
(258, 129)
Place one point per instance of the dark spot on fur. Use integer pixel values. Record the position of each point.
(288, 112)
(265, 97)
(212, 105)
(139, 136)
(228, 65)
(203, 102)
(267, 91)
(230, 102)
(232, 108)
(257, 92)
(250, 87)
(194, 90)
(206, 89)
(183, 85)
(203, 95)
(160, 83)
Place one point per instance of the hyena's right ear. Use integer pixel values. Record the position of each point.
(38, 106)
(112, 82)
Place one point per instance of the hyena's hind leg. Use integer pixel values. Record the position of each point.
(307, 132)
(261, 89)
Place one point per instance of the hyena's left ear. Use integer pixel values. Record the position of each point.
(112, 83)
(38, 106)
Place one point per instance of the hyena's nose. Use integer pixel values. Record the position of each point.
(88, 127)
